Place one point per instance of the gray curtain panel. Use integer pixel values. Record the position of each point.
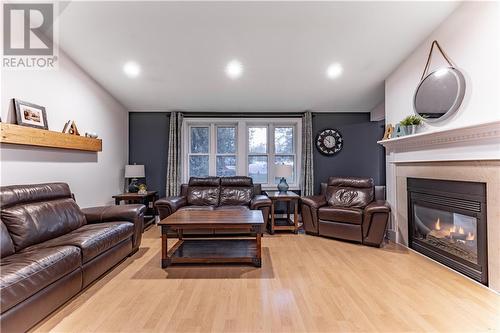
(174, 154)
(307, 155)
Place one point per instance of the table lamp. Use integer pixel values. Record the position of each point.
(284, 171)
(134, 171)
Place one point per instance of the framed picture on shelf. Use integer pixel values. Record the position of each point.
(29, 114)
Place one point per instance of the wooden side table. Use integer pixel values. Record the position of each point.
(148, 199)
(284, 223)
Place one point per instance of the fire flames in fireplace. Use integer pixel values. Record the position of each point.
(452, 238)
(452, 233)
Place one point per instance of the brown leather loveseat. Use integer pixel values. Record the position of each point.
(216, 193)
(348, 208)
(50, 249)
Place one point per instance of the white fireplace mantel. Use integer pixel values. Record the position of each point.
(474, 142)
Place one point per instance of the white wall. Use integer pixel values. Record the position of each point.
(67, 93)
(470, 36)
(378, 112)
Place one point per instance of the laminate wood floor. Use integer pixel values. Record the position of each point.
(306, 284)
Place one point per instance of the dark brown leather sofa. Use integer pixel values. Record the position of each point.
(50, 249)
(215, 193)
(348, 208)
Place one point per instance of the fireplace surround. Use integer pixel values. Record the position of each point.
(469, 153)
(447, 222)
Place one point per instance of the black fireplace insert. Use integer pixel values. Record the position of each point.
(447, 222)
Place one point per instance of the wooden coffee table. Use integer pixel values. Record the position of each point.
(213, 250)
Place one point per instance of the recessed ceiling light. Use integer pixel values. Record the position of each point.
(334, 70)
(132, 69)
(234, 69)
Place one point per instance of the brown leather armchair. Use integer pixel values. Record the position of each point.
(216, 193)
(348, 208)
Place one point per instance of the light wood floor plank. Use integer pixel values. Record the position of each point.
(306, 284)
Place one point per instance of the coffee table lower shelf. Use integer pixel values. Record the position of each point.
(213, 251)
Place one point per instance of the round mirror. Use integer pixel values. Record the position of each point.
(439, 94)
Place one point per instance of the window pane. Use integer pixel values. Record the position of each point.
(226, 140)
(283, 140)
(287, 160)
(257, 140)
(226, 166)
(198, 166)
(257, 168)
(199, 140)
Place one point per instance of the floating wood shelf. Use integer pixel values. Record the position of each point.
(22, 135)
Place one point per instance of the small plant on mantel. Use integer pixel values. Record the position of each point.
(410, 124)
(412, 120)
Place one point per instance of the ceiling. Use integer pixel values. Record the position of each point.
(285, 49)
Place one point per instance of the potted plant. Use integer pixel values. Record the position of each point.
(410, 124)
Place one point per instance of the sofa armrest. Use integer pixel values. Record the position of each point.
(309, 208)
(379, 206)
(260, 201)
(167, 206)
(130, 213)
(314, 201)
(376, 216)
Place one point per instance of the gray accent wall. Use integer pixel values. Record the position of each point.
(361, 156)
(148, 145)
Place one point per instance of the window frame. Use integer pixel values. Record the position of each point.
(189, 153)
(294, 152)
(242, 151)
(247, 145)
(216, 153)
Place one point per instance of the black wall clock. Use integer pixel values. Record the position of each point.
(329, 142)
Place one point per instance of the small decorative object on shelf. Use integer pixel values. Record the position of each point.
(73, 130)
(143, 189)
(31, 115)
(91, 135)
(410, 124)
(389, 129)
(70, 128)
(66, 126)
(284, 171)
(399, 131)
(134, 172)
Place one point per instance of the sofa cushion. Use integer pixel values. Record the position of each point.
(236, 196)
(92, 239)
(24, 274)
(203, 195)
(350, 182)
(236, 181)
(35, 222)
(349, 192)
(6, 245)
(349, 196)
(204, 181)
(22, 194)
(341, 214)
